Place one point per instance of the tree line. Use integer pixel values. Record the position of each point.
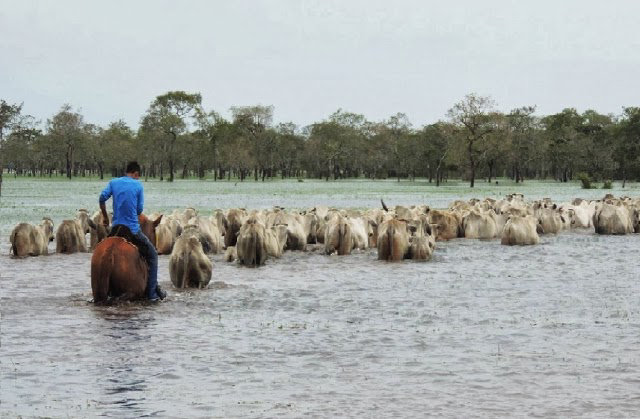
(178, 137)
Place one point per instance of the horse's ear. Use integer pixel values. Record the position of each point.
(157, 220)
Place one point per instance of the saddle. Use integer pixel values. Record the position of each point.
(124, 232)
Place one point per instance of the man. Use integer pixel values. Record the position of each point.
(128, 203)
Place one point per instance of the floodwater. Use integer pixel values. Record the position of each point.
(482, 330)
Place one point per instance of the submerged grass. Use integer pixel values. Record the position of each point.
(29, 199)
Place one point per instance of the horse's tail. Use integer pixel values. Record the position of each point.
(101, 266)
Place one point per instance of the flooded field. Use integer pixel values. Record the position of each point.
(482, 330)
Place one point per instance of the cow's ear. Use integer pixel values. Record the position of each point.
(157, 221)
(92, 224)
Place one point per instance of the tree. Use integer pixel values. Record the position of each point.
(436, 144)
(334, 145)
(167, 118)
(496, 143)
(596, 144)
(8, 115)
(253, 123)
(66, 130)
(562, 131)
(471, 117)
(521, 135)
(115, 146)
(627, 147)
(217, 131)
(290, 146)
(398, 129)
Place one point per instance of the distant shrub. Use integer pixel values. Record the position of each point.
(585, 180)
(608, 184)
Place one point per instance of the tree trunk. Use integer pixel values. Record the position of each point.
(170, 170)
(69, 156)
(472, 164)
(473, 176)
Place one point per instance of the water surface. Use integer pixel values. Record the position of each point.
(483, 330)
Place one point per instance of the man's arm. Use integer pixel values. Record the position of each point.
(140, 200)
(105, 216)
(104, 195)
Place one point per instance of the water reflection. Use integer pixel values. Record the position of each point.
(123, 339)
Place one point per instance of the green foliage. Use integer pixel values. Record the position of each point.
(177, 136)
(608, 184)
(585, 180)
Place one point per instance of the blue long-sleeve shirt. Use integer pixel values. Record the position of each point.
(128, 201)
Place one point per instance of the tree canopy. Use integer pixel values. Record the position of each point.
(177, 136)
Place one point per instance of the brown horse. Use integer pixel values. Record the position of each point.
(118, 269)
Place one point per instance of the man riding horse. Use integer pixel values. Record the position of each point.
(128, 202)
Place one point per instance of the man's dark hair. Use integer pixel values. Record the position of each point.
(133, 166)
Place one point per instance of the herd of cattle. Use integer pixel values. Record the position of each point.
(250, 237)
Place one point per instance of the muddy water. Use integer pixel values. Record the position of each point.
(482, 330)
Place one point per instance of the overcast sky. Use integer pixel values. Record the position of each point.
(111, 58)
